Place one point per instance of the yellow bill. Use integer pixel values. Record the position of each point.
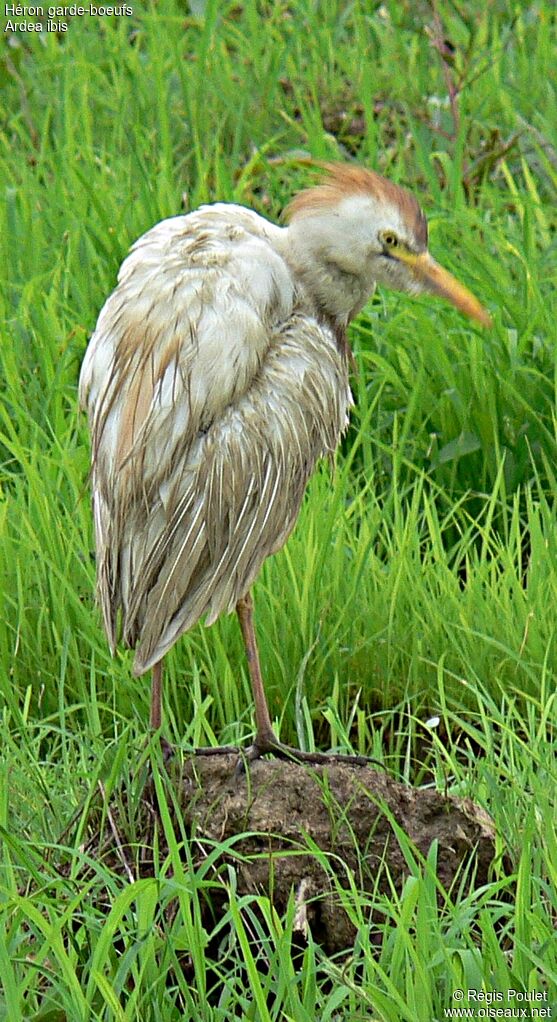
(438, 281)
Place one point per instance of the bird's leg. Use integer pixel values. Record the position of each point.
(265, 738)
(156, 696)
(156, 717)
(156, 709)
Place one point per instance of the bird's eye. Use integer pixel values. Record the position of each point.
(390, 240)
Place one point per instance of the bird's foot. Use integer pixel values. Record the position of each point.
(217, 750)
(270, 745)
(167, 750)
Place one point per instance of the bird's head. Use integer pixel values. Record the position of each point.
(356, 229)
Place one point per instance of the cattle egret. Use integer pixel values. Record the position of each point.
(216, 378)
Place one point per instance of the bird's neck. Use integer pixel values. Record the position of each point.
(335, 294)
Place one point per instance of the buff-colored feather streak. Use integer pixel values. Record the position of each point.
(216, 378)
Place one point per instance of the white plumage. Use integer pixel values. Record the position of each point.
(202, 344)
(216, 377)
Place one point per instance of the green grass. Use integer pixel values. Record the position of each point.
(421, 580)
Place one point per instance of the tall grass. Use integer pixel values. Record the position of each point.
(421, 579)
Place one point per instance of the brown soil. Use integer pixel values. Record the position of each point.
(278, 810)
